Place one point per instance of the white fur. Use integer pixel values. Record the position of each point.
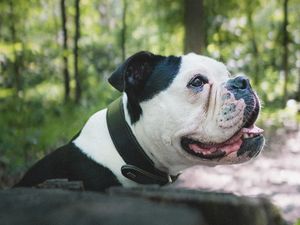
(94, 140)
(171, 114)
(178, 111)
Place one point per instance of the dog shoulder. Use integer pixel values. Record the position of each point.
(69, 162)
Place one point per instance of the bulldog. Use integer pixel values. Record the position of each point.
(174, 113)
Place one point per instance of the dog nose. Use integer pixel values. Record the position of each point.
(240, 82)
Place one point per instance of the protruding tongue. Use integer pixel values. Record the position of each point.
(225, 148)
(231, 145)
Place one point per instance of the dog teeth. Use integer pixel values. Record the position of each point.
(247, 135)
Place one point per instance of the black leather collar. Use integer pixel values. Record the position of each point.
(139, 167)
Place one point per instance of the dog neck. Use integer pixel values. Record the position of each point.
(139, 167)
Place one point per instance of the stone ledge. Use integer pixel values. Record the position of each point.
(144, 205)
(216, 208)
(61, 207)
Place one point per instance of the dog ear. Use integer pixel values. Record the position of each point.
(132, 75)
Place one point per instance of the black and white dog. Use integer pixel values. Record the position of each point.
(175, 112)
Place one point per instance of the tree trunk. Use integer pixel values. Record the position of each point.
(123, 32)
(194, 26)
(17, 78)
(65, 51)
(285, 42)
(255, 53)
(75, 52)
(297, 97)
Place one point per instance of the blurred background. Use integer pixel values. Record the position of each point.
(56, 56)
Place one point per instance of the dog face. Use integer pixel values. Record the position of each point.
(187, 110)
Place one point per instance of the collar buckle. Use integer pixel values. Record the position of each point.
(143, 177)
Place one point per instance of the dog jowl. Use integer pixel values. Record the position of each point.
(175, 112)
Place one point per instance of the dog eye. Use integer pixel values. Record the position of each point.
(198, 81)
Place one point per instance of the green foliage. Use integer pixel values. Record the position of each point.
(234, 33)
(298, 222)
(32, 128)
(246, 35)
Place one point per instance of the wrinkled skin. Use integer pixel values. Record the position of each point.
(184, 126)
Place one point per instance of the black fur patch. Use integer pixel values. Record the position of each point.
(160, 79)
(162, 76)
(69, 162)
(142, 76)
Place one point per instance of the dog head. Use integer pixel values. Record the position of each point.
(187, 110)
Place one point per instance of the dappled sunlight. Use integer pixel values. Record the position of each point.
(47, 91)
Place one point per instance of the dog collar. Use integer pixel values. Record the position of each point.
(139, 167)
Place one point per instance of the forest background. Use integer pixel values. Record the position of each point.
(56, 56)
